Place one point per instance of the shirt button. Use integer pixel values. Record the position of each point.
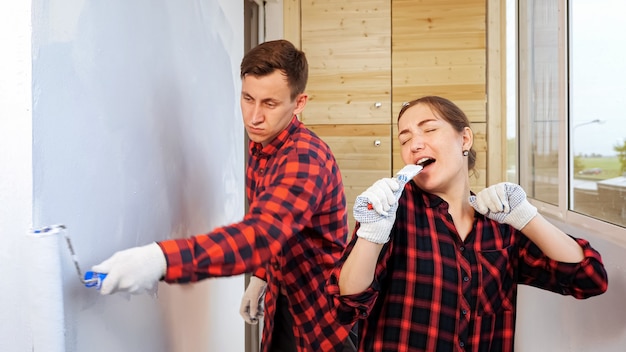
(275, 266)
(466, 279)
(464, 311)
(261, 171)
(462, 248)
(462, 344)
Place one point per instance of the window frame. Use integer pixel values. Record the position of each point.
(575, 224)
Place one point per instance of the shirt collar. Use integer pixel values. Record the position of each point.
(431, 200)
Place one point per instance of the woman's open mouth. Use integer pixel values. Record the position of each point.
(423, 162)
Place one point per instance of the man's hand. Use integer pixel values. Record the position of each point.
(135, 270)
(505, 203)
(251, 308)
(375, 209)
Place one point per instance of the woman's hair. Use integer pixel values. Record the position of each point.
(281, 55)
(448, 111)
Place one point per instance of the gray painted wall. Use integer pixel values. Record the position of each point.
(548, 322)
(136, 137)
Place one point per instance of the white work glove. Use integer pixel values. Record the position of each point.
(251, 309)
(505, 203)
(135, 270)
(375, 209)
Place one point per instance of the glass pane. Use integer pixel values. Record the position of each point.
(597, 100)
(542, 102)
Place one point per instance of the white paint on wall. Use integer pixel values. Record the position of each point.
(15, 171)
(42, 290)
(136, 136)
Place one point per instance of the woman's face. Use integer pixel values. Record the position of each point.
(427, 138)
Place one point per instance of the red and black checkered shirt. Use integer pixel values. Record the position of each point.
(292, 237)
(434, 292)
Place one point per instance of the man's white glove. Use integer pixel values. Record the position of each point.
(505, 203)
(135, 270)
(251, 308)
(375, 209)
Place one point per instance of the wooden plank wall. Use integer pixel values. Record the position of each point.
(368, 57)
(348, 45)
(439, 48)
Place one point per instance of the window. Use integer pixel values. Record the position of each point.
(596, 108)
(542, 104)
(572, 80)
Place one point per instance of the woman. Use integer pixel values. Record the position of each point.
(435, 267)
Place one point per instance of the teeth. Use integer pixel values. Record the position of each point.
(422, 160)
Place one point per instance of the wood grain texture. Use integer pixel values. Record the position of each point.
(360, 160)
(348, 45)
(291, 21)
(497, 92)
(439, 48)
(366, 52)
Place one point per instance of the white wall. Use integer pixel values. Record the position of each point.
(136, 137)
(15, 170)
(548, 322)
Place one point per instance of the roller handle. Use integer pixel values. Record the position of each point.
(94, 279)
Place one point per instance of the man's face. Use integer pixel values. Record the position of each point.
(267, 107)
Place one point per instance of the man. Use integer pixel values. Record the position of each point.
(296, 228)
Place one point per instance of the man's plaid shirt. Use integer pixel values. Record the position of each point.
(292, 236)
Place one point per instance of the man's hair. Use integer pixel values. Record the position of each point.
(448, 111)
(280, 55)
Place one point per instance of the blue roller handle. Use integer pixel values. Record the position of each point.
(93, 279)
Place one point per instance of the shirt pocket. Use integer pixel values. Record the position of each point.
(496, 285)
(495, 332)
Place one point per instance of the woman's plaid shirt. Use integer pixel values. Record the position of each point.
(434, 292)
(292, 237)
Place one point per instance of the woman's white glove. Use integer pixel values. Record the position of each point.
(135, 270)
(375, 209)
(251, 308)
(505, 203)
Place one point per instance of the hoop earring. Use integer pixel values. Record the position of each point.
(465, 152)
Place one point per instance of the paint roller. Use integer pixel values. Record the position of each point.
(404, 176)
(90, 278)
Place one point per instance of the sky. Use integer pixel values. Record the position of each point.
(598, 74)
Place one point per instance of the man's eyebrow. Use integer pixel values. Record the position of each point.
(264, 100)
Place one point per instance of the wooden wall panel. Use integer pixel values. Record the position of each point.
(439, 48)
(348, 45)
(360, 159)
(497, 92)
(291, 21)
(388, 51)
